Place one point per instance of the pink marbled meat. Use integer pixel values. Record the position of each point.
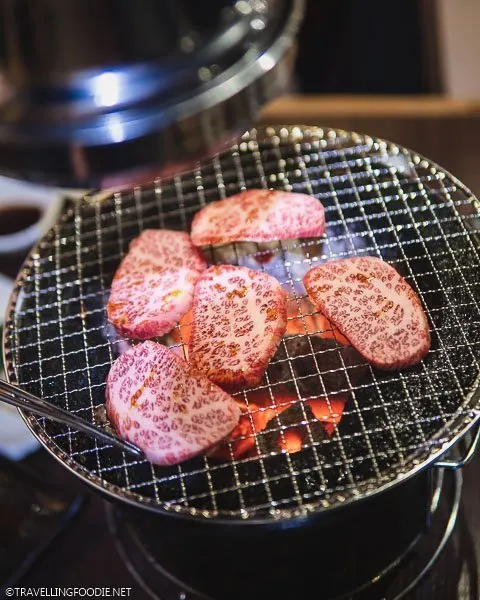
(239, 318)
(153, 286)
(158, 402)
(259, 216)
(164, 249)
(374, 307)
(149, 302)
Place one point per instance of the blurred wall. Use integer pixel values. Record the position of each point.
(458, 24)
(352, 46)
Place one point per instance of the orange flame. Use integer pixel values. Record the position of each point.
(304, 319)
(261, 409)
(291, 441)
(241, 441)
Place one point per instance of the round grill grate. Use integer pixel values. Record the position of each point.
(380, 200)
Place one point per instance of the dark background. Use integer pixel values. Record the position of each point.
(367, 47)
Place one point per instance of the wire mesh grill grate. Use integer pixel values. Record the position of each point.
(380, 200)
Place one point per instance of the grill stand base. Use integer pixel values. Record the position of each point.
(394, 582)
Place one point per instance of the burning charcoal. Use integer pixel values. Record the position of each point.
(329, 355)
(271, 438)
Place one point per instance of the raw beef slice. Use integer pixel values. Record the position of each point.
(153, 286)
(374, 307)
(164, 249)
(239, 318)
(259, 216)
(161, 404)
(148, 303)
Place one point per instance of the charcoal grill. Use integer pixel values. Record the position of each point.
(380, 199)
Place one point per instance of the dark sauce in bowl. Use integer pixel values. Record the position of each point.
(16, 217)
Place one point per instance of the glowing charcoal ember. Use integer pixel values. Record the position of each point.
(303, 318)
(241, 441)
(261, 410)
(259, 216)
(374, 307)
(293, 418)
(291, 440)
(160, 403)
(329, 412)
(239, 318)
(320, 365)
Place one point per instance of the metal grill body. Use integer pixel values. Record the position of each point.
(380, 200)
